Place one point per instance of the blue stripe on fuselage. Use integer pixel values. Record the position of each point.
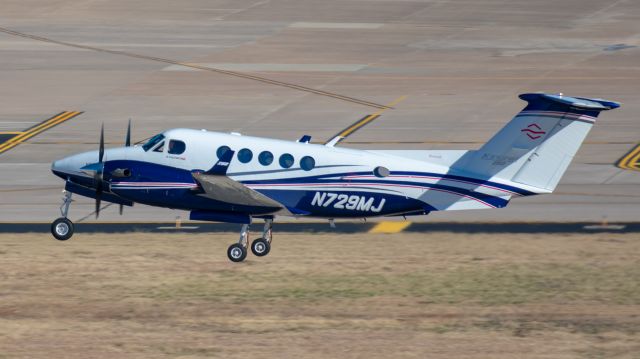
(150, 172)
(470, 180)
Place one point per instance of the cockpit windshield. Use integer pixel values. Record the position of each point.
(152, 142)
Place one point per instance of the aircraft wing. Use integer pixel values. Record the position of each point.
(224, 189)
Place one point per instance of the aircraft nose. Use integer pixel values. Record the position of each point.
(71, 166)
(63, 168)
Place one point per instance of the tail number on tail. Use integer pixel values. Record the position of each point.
(349, 202)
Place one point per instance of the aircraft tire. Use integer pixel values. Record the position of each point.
(236, 252)
(260, 247)
(62, 229)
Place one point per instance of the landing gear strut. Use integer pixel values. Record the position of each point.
(62, 228)
(261, 246)
(237, 252)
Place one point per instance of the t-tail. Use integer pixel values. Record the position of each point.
(537, 146)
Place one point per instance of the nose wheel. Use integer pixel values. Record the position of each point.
(260, 247)
(62, 228)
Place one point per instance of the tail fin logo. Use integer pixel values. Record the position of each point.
(533, 131)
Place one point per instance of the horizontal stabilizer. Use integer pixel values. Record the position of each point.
(582, 103)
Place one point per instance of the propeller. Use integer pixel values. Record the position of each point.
(127, 143)
(97, 169)
(97, 177)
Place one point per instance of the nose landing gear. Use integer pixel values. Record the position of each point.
(237, 252)
(62, 228)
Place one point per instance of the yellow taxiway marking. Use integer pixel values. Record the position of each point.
(390, 227)
(631, 160)
(11, 132)
(360, 123)
(367, 119)
(23, 136)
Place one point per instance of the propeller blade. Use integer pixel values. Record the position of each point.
(98, 204)
(127, 141)
(121, 209)
(101, 153)
(98, 192)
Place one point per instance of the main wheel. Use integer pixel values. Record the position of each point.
(62, 229)
(236, 252)
(260, 247)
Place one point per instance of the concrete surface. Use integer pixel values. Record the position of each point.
(461, 64)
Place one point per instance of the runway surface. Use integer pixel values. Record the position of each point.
(460, 64)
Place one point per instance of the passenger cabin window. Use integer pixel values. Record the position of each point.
(152, 142)
(221, 151)
(245, 155)
(176, 147)
(286, 160)
(307, 163)
(265, 158)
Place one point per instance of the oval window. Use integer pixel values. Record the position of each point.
(307, 163)
(245, 155)
(221, 151)
(381, 171)
(286, 160)
(176, 147)
(265, 158)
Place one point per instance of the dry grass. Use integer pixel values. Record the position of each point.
(321, 296)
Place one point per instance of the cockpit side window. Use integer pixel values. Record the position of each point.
(159, 148)
(176, 147)
(152, 142)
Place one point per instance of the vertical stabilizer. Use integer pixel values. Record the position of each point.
(537, 145)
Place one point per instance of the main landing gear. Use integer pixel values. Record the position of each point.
(62, 228)
(237, 252)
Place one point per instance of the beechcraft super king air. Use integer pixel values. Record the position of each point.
(232, 178)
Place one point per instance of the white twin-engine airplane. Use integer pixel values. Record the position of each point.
(233, 178)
